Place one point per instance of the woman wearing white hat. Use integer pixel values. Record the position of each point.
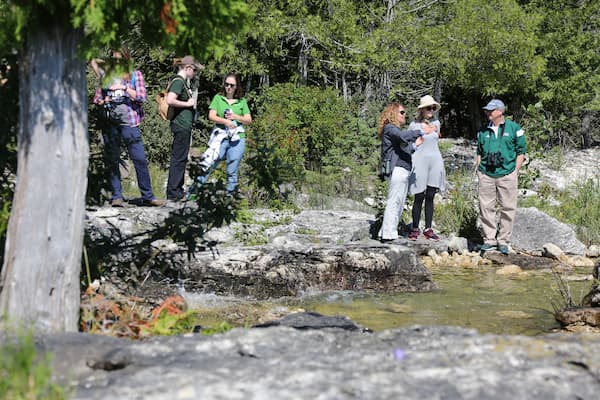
(429, 174)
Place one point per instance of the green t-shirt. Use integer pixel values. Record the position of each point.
(219, 104)
(184, 117)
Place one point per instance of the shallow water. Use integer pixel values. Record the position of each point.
(479, 299)
(471, 298)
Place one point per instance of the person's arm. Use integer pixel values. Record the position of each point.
(520, 159)
(98, 98)
(245, 119)
(137, 91)
(521, 147)
(212, 116)
(244, 116)
(173, 102)
(406, 136)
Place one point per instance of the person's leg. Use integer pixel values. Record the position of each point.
(487, 208)
(222, 151)
(507, 198)
(429, 197)
(234, 154)
(179, 157)
(416, 210)
(133, 139)
(398, 186)
(112, 150)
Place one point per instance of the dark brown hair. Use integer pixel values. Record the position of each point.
(237, 94)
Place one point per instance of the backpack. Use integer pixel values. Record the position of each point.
(165, 111)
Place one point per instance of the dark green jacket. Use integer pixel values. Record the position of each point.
(509, 143)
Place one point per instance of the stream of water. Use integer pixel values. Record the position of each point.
(479, 299)
(471, 298)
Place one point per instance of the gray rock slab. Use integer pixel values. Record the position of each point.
(534, 228)
(327, 364)
(266, 272)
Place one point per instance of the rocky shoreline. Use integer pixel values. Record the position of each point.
(304, 355)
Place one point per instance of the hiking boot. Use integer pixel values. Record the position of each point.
(504, 249)
(486, 247)
(154, 203)
(117, 203)
(429, 234)
(414, 234)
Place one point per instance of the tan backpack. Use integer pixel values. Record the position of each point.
(165, 111)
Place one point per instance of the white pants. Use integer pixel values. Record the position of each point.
(398, 187)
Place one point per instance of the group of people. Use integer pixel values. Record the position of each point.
(412, 162)
(411, 159)
(121, 96)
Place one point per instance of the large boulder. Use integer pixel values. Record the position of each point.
(533, 229)
(285, 363)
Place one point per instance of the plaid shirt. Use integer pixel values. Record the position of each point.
(135, 110)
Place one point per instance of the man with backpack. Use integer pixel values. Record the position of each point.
(181, 99)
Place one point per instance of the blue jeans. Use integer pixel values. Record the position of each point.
(132, 137)
(233, 152)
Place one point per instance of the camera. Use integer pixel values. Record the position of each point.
(494, 160)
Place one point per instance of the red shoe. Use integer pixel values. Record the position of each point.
(414, 234)
(429, 234)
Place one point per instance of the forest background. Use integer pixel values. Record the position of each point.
(318, 72)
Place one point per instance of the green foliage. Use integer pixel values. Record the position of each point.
(303, 131)
(23, 373)
(167, 324)
(486, 46)
(458, 215)
(8, 139)
(222, 327)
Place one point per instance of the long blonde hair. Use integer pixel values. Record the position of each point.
(389, 115)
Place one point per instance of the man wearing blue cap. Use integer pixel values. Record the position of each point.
(501, 150)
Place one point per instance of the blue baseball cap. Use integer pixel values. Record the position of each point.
(494, 104)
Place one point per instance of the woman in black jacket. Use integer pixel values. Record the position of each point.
(397, 147)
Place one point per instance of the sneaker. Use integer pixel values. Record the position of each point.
(414, 234)
(486, 247)
(117, 203)
(429, 234)
(154, 203)
(503, 249)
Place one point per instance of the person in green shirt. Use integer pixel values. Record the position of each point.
(181, 98)
(501, 149)
(230, 113)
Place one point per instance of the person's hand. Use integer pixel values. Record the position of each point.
(230, 124)
(190, 102)
(427, 128)
(117, 86)
(419, 141)
(230, 115)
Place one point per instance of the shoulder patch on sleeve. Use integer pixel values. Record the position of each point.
(520, 132)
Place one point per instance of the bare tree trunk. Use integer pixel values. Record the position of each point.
(586, 130)
(345, 91)
(41, 271)
(303, 61)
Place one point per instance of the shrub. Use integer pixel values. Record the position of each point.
(308, 129)
(24, 375)
(459, 214)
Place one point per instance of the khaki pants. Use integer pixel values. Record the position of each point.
(501, 192)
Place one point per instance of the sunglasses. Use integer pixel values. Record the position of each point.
(430, 108)
(231, 85)
(402, 112)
